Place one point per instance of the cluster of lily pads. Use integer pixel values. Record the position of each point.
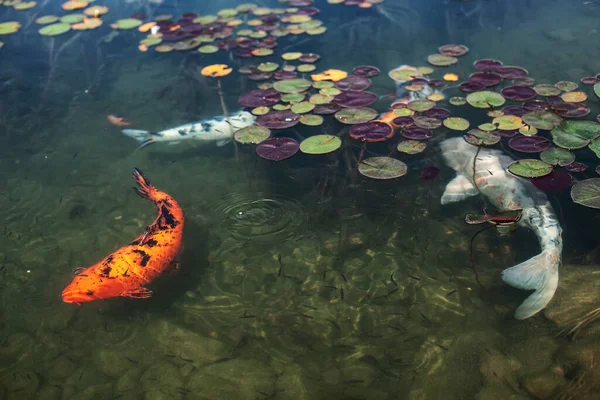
(359, 3)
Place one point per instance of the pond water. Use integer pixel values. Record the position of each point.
(301, 277)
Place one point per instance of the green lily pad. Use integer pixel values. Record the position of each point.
(557, 156)
(487, 127)
(411, 146)
(427, 122)
(151, 41)
(323, 84)
(456, 123)
(303, 107)
(25, 5)
(421, 105)
(292, 85)
(47, 19)
(508, 122)
(205, 19)
(252, 134)
(281, 107)
(485, 99)
(382, 168)
(575, 134)
(261, 52)
(293, 97)
(55, 29)
(530, 168)
(357, 115)
(403, 75)
(208, 49)
(311, 119)
(320, 98)
(7, 28)
(545, 89)
(587, 193)
(597, 89)
(595, 147)
(267, 66)
(542, 119)
(566, 86)
(477, 137)
(457, 101)
(127, 23)
(440, 60)
(306, 68)
(320, 144)
(331, 91)
(72, 19)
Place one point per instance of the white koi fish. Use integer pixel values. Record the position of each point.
(219, 129)
(489, 177)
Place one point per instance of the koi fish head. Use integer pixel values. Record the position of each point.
(85, 288)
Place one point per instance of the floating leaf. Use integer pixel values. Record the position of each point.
(485, 99)
(425, 122)
(95, 11)
(293, 97)
(277, 148)
(46, 19)
(262, 110)
(528, 130)
(576, 167)
(89, 23)
(382, 168)
(208, 49)
(74, 5)
(403, 74)
(278, 119)
(587, 193)
(330, 75)
(595, 147)
(306, 68)
(320, 99)
(292, 85)
(262, 52)
(372, 131)
(542, 119)
(566, 86)
(574, 97)
(355, 115)
(7, 28)
(575, 134)
(508, 122)
(421, 105)
(547, 90)
(355, 98)
(450, 77)
(526, 144)
(596, 87)
(25, 5)
(216, 70)
(530, 168)
(558, 179)
(457, 101)
(557, 156)
(518, 93)
(477, 137)
(454, 50)
(311, 120)
(411, 147)
(303, 107)
(440, 60)
(320, 144)
(291, 56)
(252, 134)
(456, 123)
(54, 29)
(126, 23)
(417, 133)
(487, 127)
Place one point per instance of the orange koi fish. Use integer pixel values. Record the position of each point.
(126, 271)
(118, 121)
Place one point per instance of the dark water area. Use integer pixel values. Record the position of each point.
(299, 278)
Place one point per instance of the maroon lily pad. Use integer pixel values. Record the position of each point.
(310, 11)
(536, 105)
(576, 167)
(510, 72)
(589, 80)
(260, 76)
(439, 113)
(277, 148)
(515, 110)
(470, 87)
(529, 144)
(437, 83)
(558, 179)
(487, 79)
(355, 98)
(244, 53)
(429, 173)
(282, 75)
(372, 131)
(403, 122)
(325, 109)
(299, 3)
(487, 64)
(309, 58)
(366, 71)
(578, 112)
(416, 133)
(454, 50)
(507, 133)
(353, 82)
(258, 98)
(518, 93)
(278, 119)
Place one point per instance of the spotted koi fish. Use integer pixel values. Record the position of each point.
(126, 271)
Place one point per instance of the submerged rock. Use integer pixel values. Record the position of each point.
(543, 385)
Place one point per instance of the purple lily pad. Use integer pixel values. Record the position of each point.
(416, 133)
(454, 50)
(278, 119)
(526, 81)
(510, 72)
(487, 64)
(439, 113)
(529, 144)
(353, 82)
(277, 148)
(558, 179)
(536, 105)
(515, 110)
(429, 173)
(282, 75)
(258, 98)
(419, 81)
(507, 133)
(470, 87)
(355, 98)
(260, 76)
(589, 80)
(563, 106)
(518, 93)
(578, 112)
(366, 71)
(300, 3)
(309, 58)
(576, 167)
(310, 11)
(244, 53)
(403, 122)
(487, 79)
(437, 83)
(372, 131)
(325, 109)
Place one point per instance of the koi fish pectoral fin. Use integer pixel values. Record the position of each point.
(458, 189)
(139, 293)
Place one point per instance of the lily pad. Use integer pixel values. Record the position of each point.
(55, 29)
(457, 101)
(208, 49)
(311, 120)
(320, 144)
(47, 19)
(558, 179)
(292, 85)
(574, 97)
(355, 98)
(424, 122)
(257, 98)
(353, 82)
(365, 70)
(7, 28)
(454, 50)
(252, 134)
(477, 137)
(575, 134)
(126, 23)
(24, 6)
(421, 105)
(547, 90)
(518, 93)
(278, 119)
(542, 119)
(267, 67)
(320, 99)
(576, 167)
(353, 116)
(382, 168)
(566, 86)
(372, 131)
(485, 99)
(508, 122)
(293, 97)
(557, 156)
(456, 123)
(597, 89)
(303, 107)
(530, 168)
(411, 147)
(595, 147)
(441, 60)
(587, 193)
(529, 144)
(417, 133)
(277, 148)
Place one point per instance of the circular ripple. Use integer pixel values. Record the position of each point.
(263, 218)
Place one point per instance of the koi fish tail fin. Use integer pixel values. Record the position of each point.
(146, 137)
(146, 189)
(539, 273)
